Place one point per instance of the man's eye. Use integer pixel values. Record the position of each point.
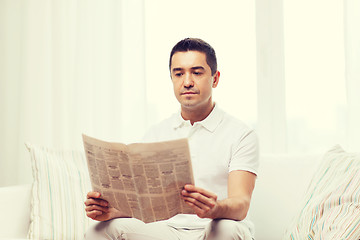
(197, 73)
(178, 74)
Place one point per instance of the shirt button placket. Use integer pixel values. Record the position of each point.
(191, 133)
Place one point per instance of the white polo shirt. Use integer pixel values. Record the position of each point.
(218, 145)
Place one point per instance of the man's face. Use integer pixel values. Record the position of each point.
(192, 79)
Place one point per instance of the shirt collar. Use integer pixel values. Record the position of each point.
(210, 122)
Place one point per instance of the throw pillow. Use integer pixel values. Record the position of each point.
(331, 207)
(61, 181)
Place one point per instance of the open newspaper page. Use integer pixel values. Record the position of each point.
(142, 180)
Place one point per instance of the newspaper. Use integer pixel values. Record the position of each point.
(142, 180)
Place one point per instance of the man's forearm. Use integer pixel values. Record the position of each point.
(235, 208)
(206, 205)
(240, 188)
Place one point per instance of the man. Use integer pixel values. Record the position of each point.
(224, 156)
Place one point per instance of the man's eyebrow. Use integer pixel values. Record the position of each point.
(198, 67)
(177, 69)
(193, 68)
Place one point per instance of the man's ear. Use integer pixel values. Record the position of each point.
(216, 79)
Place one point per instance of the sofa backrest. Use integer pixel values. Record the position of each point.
(15, 211)
(281, 184)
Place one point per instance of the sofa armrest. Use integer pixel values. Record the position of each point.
(15, 211)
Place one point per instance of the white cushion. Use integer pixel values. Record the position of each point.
(331, 206)
(61, 181)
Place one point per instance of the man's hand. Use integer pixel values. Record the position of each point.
(203, 202)
(235, 206)
(97, 208)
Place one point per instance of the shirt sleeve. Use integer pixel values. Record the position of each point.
(245, 154)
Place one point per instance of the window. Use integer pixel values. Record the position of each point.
(315, 74)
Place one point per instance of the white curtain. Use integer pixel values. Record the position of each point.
(308, 75)
(352, 64)
(67, 68)
(270, 76)
(288, 68)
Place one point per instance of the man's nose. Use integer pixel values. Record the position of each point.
(188, 81)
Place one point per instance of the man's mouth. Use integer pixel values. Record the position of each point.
(188, 93)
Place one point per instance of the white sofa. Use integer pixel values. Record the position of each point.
(282, 181)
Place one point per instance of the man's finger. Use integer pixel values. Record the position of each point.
(202, 213)
(92, 201)
(96, 207)
(93, 195)
(94, 214)
(208, 201)
(198, 204)
(192, 188)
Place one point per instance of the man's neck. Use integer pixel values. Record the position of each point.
(196, 115)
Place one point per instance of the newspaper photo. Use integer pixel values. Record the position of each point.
(142, 180)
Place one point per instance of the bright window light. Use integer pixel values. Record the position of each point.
(315, 74)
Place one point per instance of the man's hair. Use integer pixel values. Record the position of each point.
(196, 44)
